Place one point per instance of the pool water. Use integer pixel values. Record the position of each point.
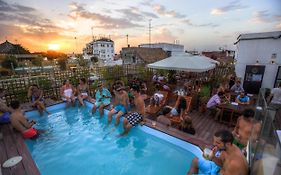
(76, 142)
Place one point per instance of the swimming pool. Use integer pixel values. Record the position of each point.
(76, 142)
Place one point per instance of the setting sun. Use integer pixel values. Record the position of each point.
(53, 46)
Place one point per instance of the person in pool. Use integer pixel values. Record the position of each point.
(20, 122)
(5, 111)
(225, 158)
(122, 105)
(36, 96)
(134, 118)
(102, 99)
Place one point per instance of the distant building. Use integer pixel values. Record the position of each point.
(224, 56)
(139, 55)
(171, 49)
(16, 50)
(258, 57)
(102, 48)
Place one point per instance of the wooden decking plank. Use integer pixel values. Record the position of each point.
(3, 155)
(28, 163)
(12, 150)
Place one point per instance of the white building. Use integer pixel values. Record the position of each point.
(102, 48)
(258, 59)
(171, 49)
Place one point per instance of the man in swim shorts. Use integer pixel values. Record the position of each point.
(136, 117)
(20, 122)
(122, 101)
(5, 111)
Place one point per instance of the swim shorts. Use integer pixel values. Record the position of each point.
(134, 118)
(120, 108)
(208, 167)
(30, 133)
(5, 118)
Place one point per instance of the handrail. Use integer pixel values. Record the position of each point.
(265, 151)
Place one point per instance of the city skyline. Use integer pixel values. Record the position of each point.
(67, 26)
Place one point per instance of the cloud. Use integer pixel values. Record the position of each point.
(278, 26)
(34, 41)
(5, 7)
(234, 5)
(262, 17)
(25, 17)
(161, 10)
(190, 23)
(135, 14)
(147, 3)
(78, 11)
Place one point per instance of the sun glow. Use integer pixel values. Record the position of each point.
(53, 46)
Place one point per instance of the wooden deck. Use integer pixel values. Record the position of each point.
(12, 143)
(204, 125)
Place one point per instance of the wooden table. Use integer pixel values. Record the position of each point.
(234, 112)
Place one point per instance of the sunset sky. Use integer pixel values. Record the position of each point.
(198, 24)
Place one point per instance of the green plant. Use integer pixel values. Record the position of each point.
(74, 80)
(9, 62)
(37, 61)
(44, 83)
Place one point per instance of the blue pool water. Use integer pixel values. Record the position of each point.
(76, 142)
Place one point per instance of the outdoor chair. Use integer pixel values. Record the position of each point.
(175, 120)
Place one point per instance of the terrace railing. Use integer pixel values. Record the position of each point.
(16, 86)
(264, 152)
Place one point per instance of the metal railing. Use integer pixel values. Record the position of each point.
(264, 151)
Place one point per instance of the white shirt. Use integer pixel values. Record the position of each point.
(276, 92)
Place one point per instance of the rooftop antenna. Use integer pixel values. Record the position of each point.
(75, 44)
(17, 45)
(92, 29)
(127, 36)
(149, 30)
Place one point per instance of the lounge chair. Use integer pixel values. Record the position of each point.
(156, 108)
(175, 120)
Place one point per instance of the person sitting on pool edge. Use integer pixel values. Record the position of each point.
(132, 119)
(5, 111)
(67, 92)
(225, 158)
(122, 105)
(36, 96)
(20, 122)
(102, 99)
(82, 90)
